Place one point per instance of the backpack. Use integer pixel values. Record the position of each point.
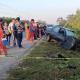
(4, 41)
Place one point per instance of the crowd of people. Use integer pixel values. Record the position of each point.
(14, 31)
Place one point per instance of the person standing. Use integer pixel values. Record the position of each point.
(27, 32)
(15, 34)
(35, 30)
(13, 30)
(7, 33)
(3, 49)
(31, 29)
(19, 32)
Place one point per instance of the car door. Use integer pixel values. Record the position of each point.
(57, 35)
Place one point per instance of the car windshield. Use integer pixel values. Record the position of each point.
(69, 33)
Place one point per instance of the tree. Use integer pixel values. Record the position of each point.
(61, 21)
(72, 21)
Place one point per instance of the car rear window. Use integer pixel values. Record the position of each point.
(69, 33)
(56, 29)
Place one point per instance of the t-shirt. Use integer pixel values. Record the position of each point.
(31, 28)
(17, 24)
(19, 27)
(14, 27)
(6, 31)
(35, 26)
(10, 27)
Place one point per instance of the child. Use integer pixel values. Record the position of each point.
(7, 33)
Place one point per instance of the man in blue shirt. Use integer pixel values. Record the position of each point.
(15, 34)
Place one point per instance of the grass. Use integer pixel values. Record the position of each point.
(50, 67)
(52, 50)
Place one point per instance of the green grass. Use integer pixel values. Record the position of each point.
(52, 50)
(33, 68)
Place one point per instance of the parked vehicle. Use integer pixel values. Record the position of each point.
(65, 36)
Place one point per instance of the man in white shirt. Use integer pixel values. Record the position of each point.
(10, 28)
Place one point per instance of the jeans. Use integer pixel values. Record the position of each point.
(15, 38)
(8, 38)
(19, 39)
(35, 34)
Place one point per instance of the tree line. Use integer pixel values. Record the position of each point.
(71, 21)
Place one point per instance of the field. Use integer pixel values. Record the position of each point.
(48, 62)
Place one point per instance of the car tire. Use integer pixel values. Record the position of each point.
(48, 38)
(77, 43)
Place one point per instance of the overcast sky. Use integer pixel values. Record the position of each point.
(48, 10)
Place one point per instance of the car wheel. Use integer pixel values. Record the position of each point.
(78, 43)
(48, 38)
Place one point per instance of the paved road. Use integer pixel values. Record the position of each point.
(13, 55)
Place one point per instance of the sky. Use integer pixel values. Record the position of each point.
(46, 10)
